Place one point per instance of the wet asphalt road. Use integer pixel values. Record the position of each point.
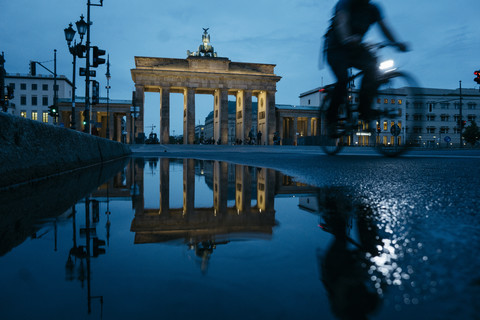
(426, 204)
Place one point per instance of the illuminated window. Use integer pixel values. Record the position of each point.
(400, 124)
(34, 115)
(385, 100)
(45, 116)
(23, 114)
(400, 101)
(385, 126)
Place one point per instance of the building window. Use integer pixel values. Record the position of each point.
(471, 117)
(308, 101)
(23, 114)
(385, 125)
(34, 86)
(34, 115)
(34, 100)
(23, 86)
(444, 117)
(430, 129)
(472, 106)
(392, 101)
(430, 117)
(45, 87)
(23, 100)
(379, 100)
(12, 85)
(45, 116)
(446, 105)
(45, 101)
(417, 117)
(385, 100)
(400, 101)
(444, 130)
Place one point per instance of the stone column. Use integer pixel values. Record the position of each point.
(309, 127)
(223, 115)
(129, 126)
(188, 186)
(243, 189)
(189, 116)
(270, 118)
(265, 190)
(164, 185)
(295, 128)
(164, 115)
(239, 117)
(247, 113)
(140, 98)
(220, 186)
(262, 116)
(111, 121)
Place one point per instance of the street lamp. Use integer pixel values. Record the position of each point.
(77, 50)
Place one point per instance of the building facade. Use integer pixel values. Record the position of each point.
(34, 94)
(441, 112)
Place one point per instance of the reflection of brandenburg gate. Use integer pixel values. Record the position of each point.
(165, 223)
(219, 77)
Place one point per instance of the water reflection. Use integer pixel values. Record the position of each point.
(202, 229)
(347, 267)
(251, 243)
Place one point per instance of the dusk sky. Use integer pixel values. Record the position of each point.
(443, 36)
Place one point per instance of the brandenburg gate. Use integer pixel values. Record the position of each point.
(202, 72)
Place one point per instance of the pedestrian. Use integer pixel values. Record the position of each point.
(259, 137)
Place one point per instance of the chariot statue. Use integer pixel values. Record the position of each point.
(205, 49)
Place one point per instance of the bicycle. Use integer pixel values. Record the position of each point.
(389, 132)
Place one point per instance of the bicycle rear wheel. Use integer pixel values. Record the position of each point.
(331, 138)
(395, 130)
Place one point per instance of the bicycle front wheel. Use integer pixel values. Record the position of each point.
(396, 129)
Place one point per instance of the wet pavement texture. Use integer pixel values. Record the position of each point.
(347, 237)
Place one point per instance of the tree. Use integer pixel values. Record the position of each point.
(472, 133)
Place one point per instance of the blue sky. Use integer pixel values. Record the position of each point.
(443, 36)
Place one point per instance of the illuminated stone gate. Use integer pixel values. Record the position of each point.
(202, 72)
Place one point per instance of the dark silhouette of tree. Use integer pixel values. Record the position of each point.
(472, 133)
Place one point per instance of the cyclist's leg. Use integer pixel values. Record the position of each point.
(339, 63)
(366, 61)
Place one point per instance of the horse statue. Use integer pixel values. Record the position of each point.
(205, 49)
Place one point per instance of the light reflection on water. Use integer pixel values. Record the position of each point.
(208, 239)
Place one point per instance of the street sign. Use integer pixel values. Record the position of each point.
(447, 139)
(395, 130)
(83, 72)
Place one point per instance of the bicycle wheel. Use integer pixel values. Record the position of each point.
(395, 131)
(331, 140)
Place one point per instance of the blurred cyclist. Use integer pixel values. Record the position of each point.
(344, 49)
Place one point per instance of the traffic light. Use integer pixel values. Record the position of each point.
(96, 56)
(33, 68)
(97, 244)
(477, 79)
(461, 123)
(53, 111)
(95, 92)
(85, 117)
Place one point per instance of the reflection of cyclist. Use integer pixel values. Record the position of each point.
(346, 264)
(351, 20)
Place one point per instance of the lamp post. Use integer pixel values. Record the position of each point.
(108, 96)
(77, 50)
